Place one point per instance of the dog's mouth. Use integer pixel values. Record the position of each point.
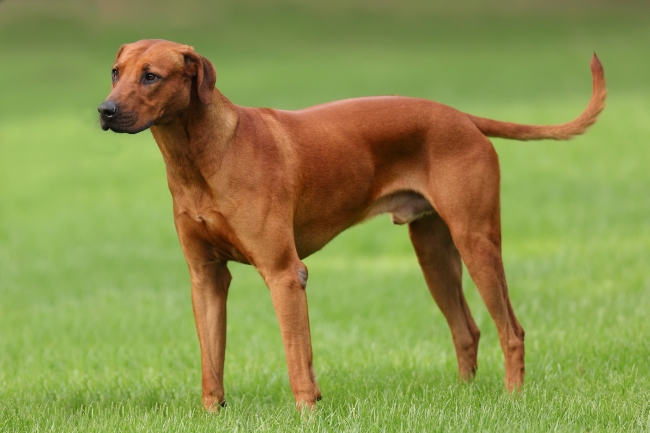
(124, 123)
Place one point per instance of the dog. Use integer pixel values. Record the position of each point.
(270, 187)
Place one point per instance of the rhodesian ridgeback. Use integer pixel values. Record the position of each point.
(270, 187)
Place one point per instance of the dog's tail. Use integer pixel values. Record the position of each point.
(565, 131)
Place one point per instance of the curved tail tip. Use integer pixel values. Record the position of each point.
(595, 63)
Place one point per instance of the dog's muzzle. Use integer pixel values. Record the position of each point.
(107, 111)
(111, 117)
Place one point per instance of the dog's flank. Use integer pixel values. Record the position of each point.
(270, 187)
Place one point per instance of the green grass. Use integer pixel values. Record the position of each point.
(96, 327)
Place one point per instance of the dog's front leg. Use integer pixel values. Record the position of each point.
(210, 280)
(289, 297)
(210, 283)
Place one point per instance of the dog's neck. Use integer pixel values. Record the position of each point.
(193, 143)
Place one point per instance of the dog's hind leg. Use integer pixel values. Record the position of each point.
(466, 196)
(442, 268)
(481, 252)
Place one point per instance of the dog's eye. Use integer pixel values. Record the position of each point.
(114, 74)
(149, 78)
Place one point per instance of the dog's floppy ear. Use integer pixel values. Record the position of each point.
(119, 52)
(206, 76)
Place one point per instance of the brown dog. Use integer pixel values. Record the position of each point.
(270, 187)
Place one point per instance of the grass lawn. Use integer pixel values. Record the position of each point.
(96, 326)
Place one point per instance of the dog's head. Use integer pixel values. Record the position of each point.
(153, 82)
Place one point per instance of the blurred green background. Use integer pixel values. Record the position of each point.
(96, 329)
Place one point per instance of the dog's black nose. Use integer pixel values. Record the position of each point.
(107, 109)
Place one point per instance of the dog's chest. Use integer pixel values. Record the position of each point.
(207, 226)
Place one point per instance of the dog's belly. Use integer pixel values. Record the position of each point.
(403, 206)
